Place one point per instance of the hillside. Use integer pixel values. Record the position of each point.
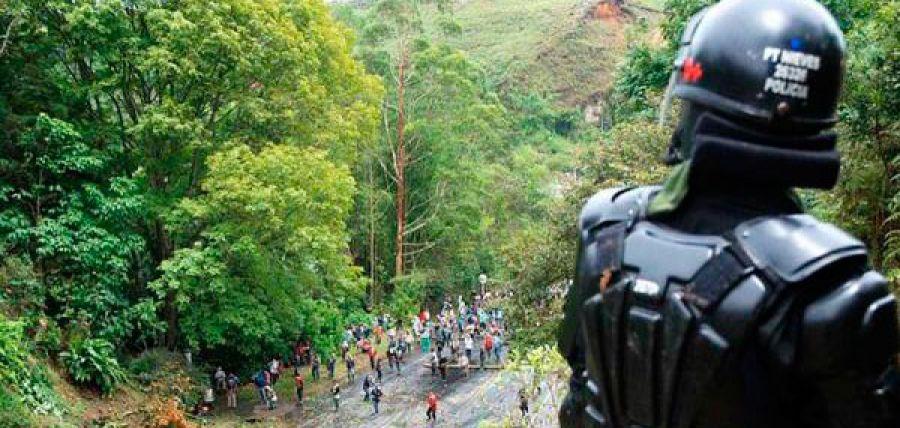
(568, 49)
(561, 47)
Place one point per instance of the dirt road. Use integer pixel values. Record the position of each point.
(464, 402)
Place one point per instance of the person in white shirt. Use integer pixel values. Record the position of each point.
(275, 370)
(220, 376)
(464, 364)
(416, 325)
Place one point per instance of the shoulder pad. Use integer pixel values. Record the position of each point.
(615, 205)
(853, 326)
(795, 247)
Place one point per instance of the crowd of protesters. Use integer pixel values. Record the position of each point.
(360, 340)
(458, 335)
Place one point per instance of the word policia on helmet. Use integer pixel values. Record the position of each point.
(790, 72)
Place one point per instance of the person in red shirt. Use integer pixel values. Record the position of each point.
(432, 401)
(372, 354)
(298, 383)
(486, 348)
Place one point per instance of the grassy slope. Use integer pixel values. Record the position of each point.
(551, 46)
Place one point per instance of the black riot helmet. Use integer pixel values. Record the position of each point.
(764, 76)
(767, 61)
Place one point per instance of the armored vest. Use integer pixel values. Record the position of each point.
(673, 313)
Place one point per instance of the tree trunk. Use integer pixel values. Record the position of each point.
(170, 310)
(882, 198)
(400, 165)
(375, 293)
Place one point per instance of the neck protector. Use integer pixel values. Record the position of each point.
(726, 151)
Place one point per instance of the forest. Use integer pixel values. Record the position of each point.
(227, 177)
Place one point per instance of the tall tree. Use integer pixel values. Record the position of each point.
(271, 263)
(399, 20)
(435, 105)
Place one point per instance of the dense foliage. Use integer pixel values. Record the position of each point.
(867, 200)
(428, 163)
(178, 174)
(270, 260)
(25, 389)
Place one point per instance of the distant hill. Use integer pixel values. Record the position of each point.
(558, 47)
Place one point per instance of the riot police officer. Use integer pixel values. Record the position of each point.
(713, 301)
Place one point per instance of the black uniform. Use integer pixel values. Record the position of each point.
(729, 307)
(726, 314)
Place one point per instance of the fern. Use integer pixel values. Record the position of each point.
(92, 362)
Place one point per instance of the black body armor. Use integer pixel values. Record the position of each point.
(777, 322)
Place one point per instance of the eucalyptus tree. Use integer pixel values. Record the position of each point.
(436, 115)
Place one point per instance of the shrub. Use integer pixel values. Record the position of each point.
(13, 358)
(13, 413)
(23, 385)
(48, 337)
(169, 414)
(92, 362)
(150, 361)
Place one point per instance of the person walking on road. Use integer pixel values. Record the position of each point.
(464, 364)
(366, 386)
(261, 380)
(231, 387)
(391, 355)
(523, 402)
(410, 339)
(351, 368)
(274, 370)
(336, 395)
(220, 378)
(442, 366)
(376, 397)
(482, 356)
(432, 402)
(298, 385)
(434, 363)
(378, 369)
(331, 363)
(468, 344)
(372, 354)
(426, 340)
(315, 366)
